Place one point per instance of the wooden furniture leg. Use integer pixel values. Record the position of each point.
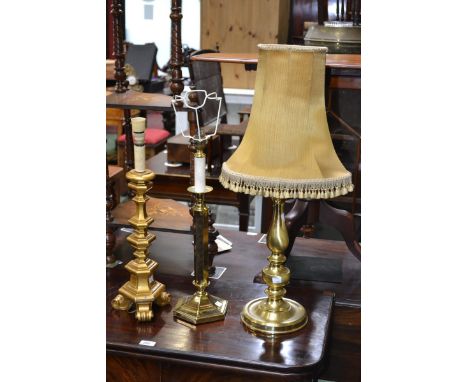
(117, 12)
(343, 221)
(110, 203)
(129, 155)
(244, 211)
(295, 219)
(177, 57)
(312, 215)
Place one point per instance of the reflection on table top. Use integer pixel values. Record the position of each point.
(223, 342)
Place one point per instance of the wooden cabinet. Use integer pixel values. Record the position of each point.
(237, 27)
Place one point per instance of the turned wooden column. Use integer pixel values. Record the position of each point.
(110, 203)
(129, 154)
(121, 83)
(117, 12)
(177, 58)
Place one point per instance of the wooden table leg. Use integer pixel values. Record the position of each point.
(110, 203)
(129, 155)
(267, 214)
(244, 208)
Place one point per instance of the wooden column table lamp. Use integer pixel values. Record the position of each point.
(142, 290)
(287, 152)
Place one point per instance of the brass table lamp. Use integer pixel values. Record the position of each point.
(201, 307)
(142, 289)
(287, 152)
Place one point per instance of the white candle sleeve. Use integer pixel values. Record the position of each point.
(138, 129)
(199, 174)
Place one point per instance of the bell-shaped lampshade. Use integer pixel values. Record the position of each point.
(287, 151)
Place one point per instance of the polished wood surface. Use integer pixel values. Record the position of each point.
(223, 346)
(168, 214)
(336, 61)
(172, 183)
(141, 101)
(174, 252)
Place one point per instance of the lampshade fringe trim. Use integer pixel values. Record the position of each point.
(284, 189)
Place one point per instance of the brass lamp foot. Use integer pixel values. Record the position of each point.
(258, 316)
(200, 308)
(274, 314)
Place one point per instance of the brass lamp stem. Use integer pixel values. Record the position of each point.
(274, 314)
(276, 275)
(142, 289)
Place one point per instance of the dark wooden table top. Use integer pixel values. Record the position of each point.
(168, 215)
(224, 343)
(157, 164)
(174, 253)
(172, 182)
(336, 61)
(137, 100)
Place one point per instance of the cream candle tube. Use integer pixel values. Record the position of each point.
(199, 164)
(138, 129)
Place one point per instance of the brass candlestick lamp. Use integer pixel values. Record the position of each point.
(142, 290)
(201, 307)
(287, 152)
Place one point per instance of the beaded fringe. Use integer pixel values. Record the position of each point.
(285, 189)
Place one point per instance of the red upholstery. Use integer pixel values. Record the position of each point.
(152, 136)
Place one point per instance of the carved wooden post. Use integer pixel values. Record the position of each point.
(110, 203)
(177, 59)
(121, 84)
(129, 155)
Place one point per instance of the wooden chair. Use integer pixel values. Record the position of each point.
(207, 76)
(155, 138)
(305, 214)
(321, 211)
(143, 58)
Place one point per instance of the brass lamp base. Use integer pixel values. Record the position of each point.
(290, 317)
(275, 314)
(200, 308)
(142, 289)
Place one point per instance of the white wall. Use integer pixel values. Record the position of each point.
(158, 30)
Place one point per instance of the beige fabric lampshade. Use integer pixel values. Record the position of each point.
(287, 151)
